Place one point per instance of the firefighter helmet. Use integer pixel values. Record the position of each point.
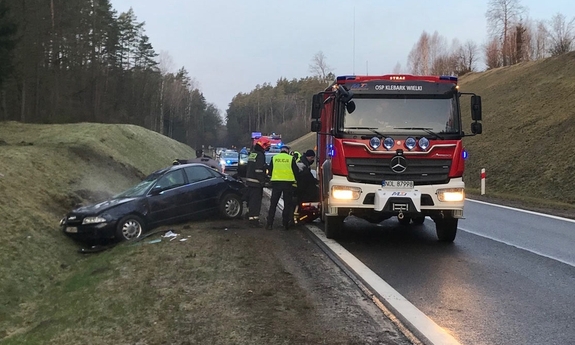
(264, 142)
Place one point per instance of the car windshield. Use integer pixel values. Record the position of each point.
(142, 187)
(229, 154)
(395, 115)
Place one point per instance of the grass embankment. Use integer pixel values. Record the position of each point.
(529, 131)
(45, 170)
(223, 285)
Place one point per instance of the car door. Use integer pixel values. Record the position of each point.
(202, 195)
(167, 200)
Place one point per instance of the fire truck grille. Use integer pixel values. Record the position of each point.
(420, 171)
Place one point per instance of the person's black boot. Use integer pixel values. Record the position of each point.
(269, 227)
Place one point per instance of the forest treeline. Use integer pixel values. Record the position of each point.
(67, 61)
(79, 60)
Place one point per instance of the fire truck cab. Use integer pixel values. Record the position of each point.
(390, 146)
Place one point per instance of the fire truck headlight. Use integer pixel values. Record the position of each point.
(345, 192)
(423, 143)
(451, 194)
(375, 142)
(388, 143)
(410, 143)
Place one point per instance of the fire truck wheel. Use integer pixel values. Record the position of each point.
(418, 220)
(333, 226)
(404, 221)
(446, 229)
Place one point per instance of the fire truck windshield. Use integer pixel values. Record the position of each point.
(397, 114)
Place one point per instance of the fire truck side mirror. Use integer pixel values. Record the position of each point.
(476, 128)
(316, 126)
(317, 102)
(476, 108)
(350, 107)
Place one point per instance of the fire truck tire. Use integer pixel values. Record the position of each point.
(446, 229)
(333, 226)
(404, 221)
(418, 220)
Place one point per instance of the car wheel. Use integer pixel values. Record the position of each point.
(231, 206)
(129, 228)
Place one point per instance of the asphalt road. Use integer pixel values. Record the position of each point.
(509, 277)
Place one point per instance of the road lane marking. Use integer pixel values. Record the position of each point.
(522, 210)
(516, 246)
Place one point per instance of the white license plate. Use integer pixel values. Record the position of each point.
(397, 184)
(72, 229)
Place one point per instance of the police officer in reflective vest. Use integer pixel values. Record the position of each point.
(255, 180)
(283, 169)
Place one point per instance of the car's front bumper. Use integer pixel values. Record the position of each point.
(87, 232)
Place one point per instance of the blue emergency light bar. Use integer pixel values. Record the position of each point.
(346, 77)
(447, 77)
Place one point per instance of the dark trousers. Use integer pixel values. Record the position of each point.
(255, 201)
(279, 189)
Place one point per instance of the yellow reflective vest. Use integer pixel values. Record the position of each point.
(282, 168)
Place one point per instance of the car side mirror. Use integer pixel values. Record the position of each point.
(476, 108)
(350, 107)
(316, 126)
(156, 190)
(316, 104)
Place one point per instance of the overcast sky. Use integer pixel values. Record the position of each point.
(230, 46)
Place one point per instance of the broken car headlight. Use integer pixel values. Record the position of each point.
(93, 220)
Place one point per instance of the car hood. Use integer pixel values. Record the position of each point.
(102, 206)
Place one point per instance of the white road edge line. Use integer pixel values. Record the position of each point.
(522, 210)
(518, 247)
(418, 321)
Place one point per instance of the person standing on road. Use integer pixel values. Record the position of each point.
(306, 181)
(283, 170)
(255, 179)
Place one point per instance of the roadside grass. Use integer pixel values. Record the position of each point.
(46, 170)
(217, 287)
(529, 130)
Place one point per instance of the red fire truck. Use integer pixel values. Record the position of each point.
(390, 146)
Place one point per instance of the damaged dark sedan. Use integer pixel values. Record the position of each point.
(170, 195)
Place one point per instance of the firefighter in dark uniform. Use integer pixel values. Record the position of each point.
(255, 179)
(283, 170)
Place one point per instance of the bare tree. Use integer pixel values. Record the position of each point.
(397, 68)
(540, 41)
(166, 64)
(418, 60)
(561, 34)
(519, 41)
(493, 54)
(502, 15)
(466, 57)
(319, 66)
